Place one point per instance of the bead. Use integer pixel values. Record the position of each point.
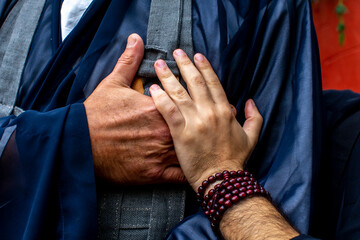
(230, 188)
(221, 201)
(228, 203)
(235, 199)
(211, 192)
(228, 196)
(235, 192)
(240, 173)
(249, 192)
(225, 183)
(211, 179)
(226, 176)
(232, 181)
(206, 197)
(237, 185)
(250, 187)
(239, 179)
(226, 172)
(242, 195)
(205, 183)
(222, 208)
(223, 192)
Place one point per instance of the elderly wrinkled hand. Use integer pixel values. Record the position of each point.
(130, 140)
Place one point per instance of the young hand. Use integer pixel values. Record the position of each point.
(207, 137)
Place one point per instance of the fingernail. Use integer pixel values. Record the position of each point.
(155, 87)
(179, 52)
(199, 57)
(252, 103)
(131, 41)
(161, 64)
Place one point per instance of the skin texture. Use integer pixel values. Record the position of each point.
(131, 143)
(208, 139)
(206, 135)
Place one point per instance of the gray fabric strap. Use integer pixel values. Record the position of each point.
(149, 212)
(15, 36)
(169, 28)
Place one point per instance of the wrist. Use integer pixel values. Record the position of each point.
(212, 172)
(234, 186)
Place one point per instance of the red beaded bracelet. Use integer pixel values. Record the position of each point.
(236, 185)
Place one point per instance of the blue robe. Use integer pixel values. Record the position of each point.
(265, 50)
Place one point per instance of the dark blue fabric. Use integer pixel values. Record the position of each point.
(337, 208)
(196, 226)
(304, 237)
(263, 49)
(52, 158)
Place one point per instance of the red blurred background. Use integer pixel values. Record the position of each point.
(340, 64)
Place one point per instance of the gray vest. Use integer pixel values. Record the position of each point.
(141, 212)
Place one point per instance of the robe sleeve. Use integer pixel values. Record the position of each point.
(47, 176)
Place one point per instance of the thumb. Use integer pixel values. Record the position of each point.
(129, 62)
(253, 123)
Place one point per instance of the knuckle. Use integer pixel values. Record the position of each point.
(126, 59)
(198, 80)
(179, 93)
(213, 82)
(226, 112)
(201, 127)
(211, 117)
